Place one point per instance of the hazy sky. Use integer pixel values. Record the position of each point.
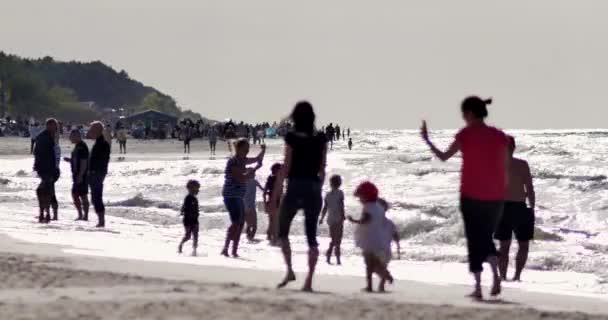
(365, 64)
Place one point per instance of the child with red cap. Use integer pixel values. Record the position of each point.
(371, 235)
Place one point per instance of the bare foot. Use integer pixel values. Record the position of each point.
(288, 278)
(235, 255)
(496, 288)
(516, 279)
(307, 289)
(367, 289)
(477, 295)
(225, 253)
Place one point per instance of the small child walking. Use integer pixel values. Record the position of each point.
(251, 211)
(393, 232)
(271, 232)
(190, 212)
(372, 236)
(334, 205)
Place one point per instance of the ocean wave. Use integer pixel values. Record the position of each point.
(139, 172)
(542, 235)
(358, 161)
(593, 186)
(413, 228)
(426, 172)
(408, 159)
(437, 211)
(213, 171)
(141, 202)
(544, 174)
(21, 173)
(405, 205)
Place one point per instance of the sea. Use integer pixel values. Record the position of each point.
(144, 192)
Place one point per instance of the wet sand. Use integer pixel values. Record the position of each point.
(43, 282)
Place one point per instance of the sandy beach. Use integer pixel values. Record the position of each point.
(69, 270)
(41, 282)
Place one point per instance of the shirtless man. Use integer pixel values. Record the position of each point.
(517, 217)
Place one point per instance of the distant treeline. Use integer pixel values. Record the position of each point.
(44, 87)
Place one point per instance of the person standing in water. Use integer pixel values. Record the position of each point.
(212, 140)
(98, 169)
(338, 132)
(235, 181)
(46, 168)
(190, 211)
(121, 136)
(187, 132)
(251, 211)
(483, 185)
(304, 167)
(79, 163)
(334, 204)
(54, 203)
(350, 143)
(517, 217)
(271, 210)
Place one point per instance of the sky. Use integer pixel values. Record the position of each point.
(363, 64)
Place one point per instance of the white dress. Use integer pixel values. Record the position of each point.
(373, 236)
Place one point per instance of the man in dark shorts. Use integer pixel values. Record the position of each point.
(517, 217)
(46, 167)
(98, 168)
(79, 163)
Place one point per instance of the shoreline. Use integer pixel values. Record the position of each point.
(68, 277)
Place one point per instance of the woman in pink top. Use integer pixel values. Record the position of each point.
(483, 185)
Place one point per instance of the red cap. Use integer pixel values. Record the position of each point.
(367, 191)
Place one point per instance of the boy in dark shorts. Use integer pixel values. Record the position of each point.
(517, 217)
(79, 163)
(190, 212)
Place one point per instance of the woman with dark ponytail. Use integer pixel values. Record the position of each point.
(483, 185)
(304, 168)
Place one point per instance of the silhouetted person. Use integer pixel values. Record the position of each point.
(57, 150)
(121, 136)
(348, 132)
(190, 211)
(330, 135)
(517, 217)
(98, 169)
(337, 132)
(79, 163)
(304, 167)
(483, 185)
(46, 167)
(350, 143)
(187, 131)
